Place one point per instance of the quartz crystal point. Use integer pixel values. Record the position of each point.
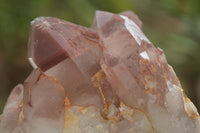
(105, 79)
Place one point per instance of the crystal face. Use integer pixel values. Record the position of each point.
(105, 79)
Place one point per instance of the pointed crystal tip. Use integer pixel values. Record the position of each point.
(44, 43)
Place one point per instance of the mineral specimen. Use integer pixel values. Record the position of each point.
(105, 79)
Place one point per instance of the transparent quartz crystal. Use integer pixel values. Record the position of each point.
(105, 79)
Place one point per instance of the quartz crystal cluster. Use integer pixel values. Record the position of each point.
(105, 79)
